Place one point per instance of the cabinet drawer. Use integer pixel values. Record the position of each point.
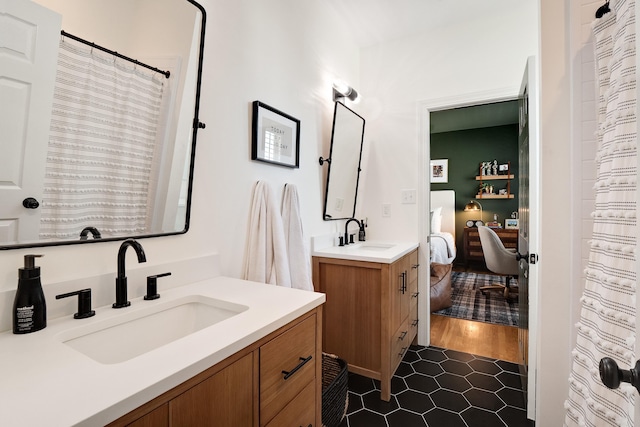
(286, 353)
(413, 266)
(413, 320)
(399, 345)
(299, 412)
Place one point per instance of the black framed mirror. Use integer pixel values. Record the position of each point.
(101, 154)
(347, 139)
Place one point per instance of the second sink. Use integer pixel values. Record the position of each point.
(141, 332)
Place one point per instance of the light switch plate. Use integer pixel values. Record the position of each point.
(386, 210)
(409, 196)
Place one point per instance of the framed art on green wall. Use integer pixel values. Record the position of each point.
(440, 170)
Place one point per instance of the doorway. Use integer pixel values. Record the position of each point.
(465, 138)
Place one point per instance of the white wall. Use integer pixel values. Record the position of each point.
(284, 53)
(486, 54)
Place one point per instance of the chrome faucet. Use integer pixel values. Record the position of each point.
(121, 279)
(346, 230)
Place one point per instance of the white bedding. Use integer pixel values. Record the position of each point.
(443, 226)
(443, 248)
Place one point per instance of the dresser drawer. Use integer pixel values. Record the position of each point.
(286, 353)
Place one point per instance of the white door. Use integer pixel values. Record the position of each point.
(29, 35)
(528, 238)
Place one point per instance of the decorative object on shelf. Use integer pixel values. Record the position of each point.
(488, 171)
(440, 171)
(474, 206)
(511, 224)
(503, 169)
(275, 136)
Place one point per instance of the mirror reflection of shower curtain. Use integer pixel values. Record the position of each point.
(607, 326)
(104, 130)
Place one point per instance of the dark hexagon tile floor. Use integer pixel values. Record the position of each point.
(434, 387)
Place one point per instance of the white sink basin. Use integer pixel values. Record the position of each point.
(125, 337)
(373, 246)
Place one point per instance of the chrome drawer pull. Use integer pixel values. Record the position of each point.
(415, 323)
(402, 335)
(288, 374)
(415, 295)
(403, 351)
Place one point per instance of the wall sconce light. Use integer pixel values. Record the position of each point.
(473, 206)
(343, 90)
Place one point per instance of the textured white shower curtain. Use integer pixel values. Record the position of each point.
(101, 146)
(607, 326)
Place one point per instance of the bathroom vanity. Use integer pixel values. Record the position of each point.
(371, 312)
(239, 352)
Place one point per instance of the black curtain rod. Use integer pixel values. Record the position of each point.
(114, 53)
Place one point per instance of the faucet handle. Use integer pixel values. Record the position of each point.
(152, 286)
(84, 303)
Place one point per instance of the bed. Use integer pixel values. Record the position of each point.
(443, 226)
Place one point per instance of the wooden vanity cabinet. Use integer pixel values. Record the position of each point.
(249, 388)
(370, 313)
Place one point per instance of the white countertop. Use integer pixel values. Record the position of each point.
(45, 382)
(384, 252)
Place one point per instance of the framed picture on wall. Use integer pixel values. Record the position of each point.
(275, 136)
(440, 171)
(510, 223)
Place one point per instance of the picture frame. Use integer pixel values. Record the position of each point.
(439, 171)
(275, 136)
(511, 224)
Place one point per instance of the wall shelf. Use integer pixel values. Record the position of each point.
(494, 196)
(506, 177)
(493, 177)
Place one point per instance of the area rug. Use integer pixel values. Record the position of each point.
(470, 304)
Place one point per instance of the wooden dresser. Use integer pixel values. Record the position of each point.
(473, 248)
(371, 313)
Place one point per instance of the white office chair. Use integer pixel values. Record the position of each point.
(499, 259)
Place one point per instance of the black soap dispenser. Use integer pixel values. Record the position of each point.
(29, 306)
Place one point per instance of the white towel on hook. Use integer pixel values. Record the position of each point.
(266, 250)
(299, 260)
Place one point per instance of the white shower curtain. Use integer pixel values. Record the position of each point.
(101, 146)
(607, 326)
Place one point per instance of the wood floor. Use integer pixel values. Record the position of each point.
(482, 339)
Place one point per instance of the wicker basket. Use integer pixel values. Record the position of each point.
(335, 378)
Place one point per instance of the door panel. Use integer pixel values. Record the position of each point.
(27, 76)
(528, 210)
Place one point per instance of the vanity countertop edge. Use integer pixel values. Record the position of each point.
(370, 251)
(44, 382)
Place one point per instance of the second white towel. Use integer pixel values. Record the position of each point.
(299, 260)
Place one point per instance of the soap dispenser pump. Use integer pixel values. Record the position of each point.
(29, 306)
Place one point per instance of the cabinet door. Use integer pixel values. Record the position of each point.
(223, 400)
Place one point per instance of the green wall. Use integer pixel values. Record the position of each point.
(465, 150)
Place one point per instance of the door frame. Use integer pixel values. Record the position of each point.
(425, 108)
